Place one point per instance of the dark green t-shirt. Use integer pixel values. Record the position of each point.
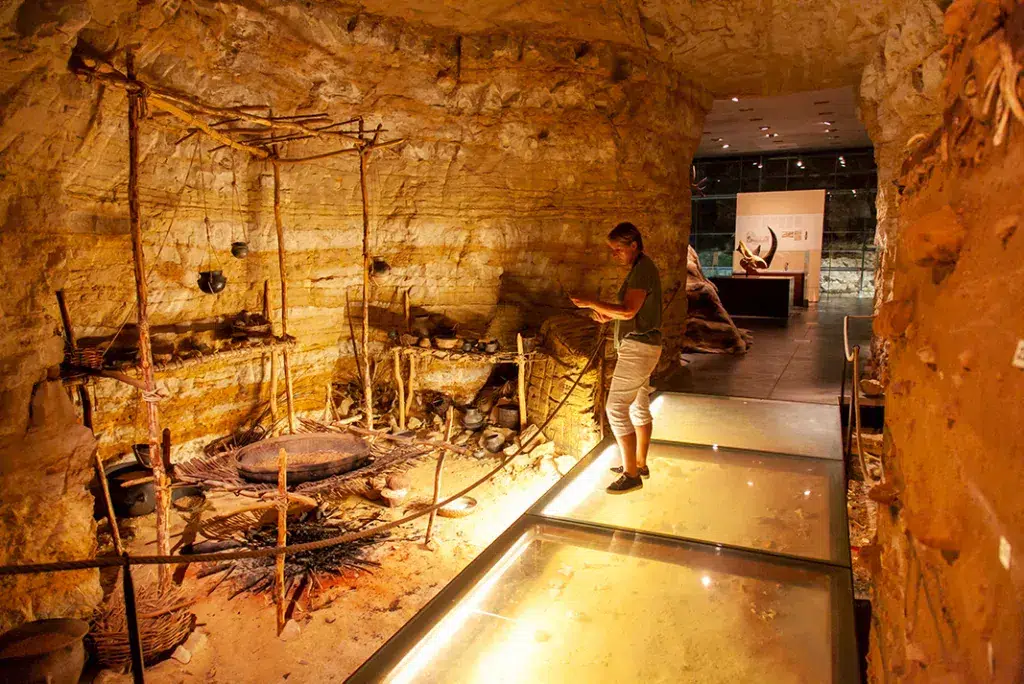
(646, 325)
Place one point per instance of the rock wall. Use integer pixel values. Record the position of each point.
(947, 563)
(46, 512)
(521, 153)
(900, 97)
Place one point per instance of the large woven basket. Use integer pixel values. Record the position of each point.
(164, 623)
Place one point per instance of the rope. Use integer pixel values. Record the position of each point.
(107, 562)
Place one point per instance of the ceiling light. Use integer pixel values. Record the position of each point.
(765, 128)
(854, 192)
(807, 492)
(826, 123)
(725, 146)
(760, 166)
(755, 163)
(706, 581)
(775, 135)
(735, 99)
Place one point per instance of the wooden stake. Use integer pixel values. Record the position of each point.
(284, 297)
(521, 363)
(163, 494)
(412, 383)
(69, 340)
(437, 473)
(397, 355)
(111, 518)
(408, 319)
(367, 383)
(273, 356)
(282, 534)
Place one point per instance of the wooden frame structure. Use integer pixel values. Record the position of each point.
(243, 129)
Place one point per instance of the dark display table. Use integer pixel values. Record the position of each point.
(765, 296)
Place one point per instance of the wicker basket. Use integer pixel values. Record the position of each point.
(89, 357)
(164, 623)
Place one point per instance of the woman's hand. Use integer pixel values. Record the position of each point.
(581, 302)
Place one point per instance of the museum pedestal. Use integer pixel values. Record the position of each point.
(763, 296)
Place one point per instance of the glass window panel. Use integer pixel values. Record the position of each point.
(550, 607)
(756, 424)
(777, 503)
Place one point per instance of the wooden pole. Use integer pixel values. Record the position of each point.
(367, 383)
(115, 533)
(284, 297)
(163, 494)
(273, 356)
(408, 319)
(412, 383)
(69, 340)
(397, 355)
(521, 364)
(437, 473)
(600, 386)
(282, 534)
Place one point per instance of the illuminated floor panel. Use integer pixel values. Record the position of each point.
(777, 426)
(769, 502)
(555, 603)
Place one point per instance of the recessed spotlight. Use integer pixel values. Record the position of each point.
(760, 166)
(775, 135)
(854, 192)
(716, 140)
(755, 163)
(725, 146)
(822, 102)
(765, 128)
(735, 99)
(826, 123)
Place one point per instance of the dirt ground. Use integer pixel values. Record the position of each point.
(358, 612)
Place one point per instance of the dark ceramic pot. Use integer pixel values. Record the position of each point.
(239, 250)
(43, 651)
(508, 416)
(212, 282)
(133, 501)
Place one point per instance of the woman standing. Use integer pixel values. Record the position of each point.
(637, 317)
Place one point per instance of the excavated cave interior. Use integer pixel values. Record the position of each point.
(279, 273)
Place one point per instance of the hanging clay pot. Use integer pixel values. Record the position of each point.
(239, 250)
(212, 282)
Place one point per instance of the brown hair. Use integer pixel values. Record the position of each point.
(625, 234)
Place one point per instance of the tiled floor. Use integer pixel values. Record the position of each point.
(798, 360)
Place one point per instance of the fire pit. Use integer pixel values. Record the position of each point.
(310, 457)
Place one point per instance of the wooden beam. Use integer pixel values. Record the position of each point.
(159, 103)
(163, 494)
(268, 314)
(282, 535)
(367, 381)
(437, 475)
(521, 366)
(284, 296)
(397, 356)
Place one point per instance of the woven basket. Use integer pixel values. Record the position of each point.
(235, 524)
(164, 623)
(89, 357)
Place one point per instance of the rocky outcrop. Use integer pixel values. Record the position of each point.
(46, 512)
(900, 98)
(521, 153)
(946, 563)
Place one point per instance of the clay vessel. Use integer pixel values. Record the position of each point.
(239, 250)
(43, 651)
(212, 282)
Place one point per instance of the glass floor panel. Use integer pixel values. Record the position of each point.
(761, 425)
(769, 502)
(557, 602)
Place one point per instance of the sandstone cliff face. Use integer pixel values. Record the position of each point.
(900, 97)
(733, 47)
(948, 592)
(521, 153)
(46, 513)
